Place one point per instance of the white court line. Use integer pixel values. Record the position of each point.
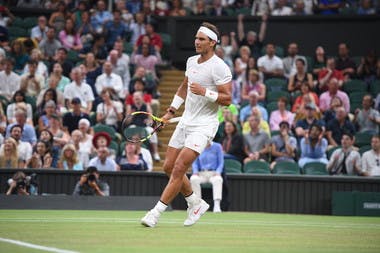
(175, 221)
(35, 246)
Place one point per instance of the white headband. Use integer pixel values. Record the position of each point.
(212, 35)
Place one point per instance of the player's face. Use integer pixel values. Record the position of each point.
(203, 44)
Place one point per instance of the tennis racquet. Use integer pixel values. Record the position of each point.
(139, 126)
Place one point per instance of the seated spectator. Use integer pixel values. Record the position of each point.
(217, 9)
(143, 152)
(344, 63)
(326, 7)
(303, 125)
(336, 127)
(256, 142)
(115, 29)
(9, 80)
(253, 102)
(77, 13)
(241, 63)
(281, 9)
(98, 49)
(102, 161)
(31, 82)
(42, 157)
(58, 17)
(313, 146)
(53, 95)
(9, 157)
(85, 29)
(47, 137)
(139, 86)
(300, 101)
(155, 38)
(39, 31)
(79, 89)
(232, 142)
(6, 17)
(17, 184)
(367, 119)
(83, 155)
(71, 119)
(264, 126)
(61, 80)
(19, 102)
(28, 132)
(366, 8)
(3, 123)
(24, 149)
(328, 73)
(284, 146)
(61, 58)
(319, 61)
(18, 55)
(132, 160)
(36, 55)
(85, 145)
(61, 137)
(93, 70)
(290, 64)
(282, 114)
(146, 60)
(69, 36)
(219, 51)
(299, 77)
(91, 185)
(69, 159)
(345, 160)
(110, 111)
(330, 114)
(120, 63)
(199, 8)
(302, 111)
(371, 158)
(100, 17)
(367, 67)
(230, 112)
(254, 84)
(333, 91)
(109, 80)
(208, 168)
(49, 45)
(100, 140)
(45, 118)
(270, 64)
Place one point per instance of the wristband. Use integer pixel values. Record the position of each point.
(177, 102)
(211, 95)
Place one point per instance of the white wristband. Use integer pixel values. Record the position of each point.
(211, 95)
(177, 102)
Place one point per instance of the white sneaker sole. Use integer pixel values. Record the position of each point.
(203, 208)
(147, 224)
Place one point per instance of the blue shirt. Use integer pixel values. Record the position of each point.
(245, 112)
(210, 159)
(108, 165)
(319, 151)
(28, 133)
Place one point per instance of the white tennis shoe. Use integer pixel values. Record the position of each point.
(195, 212)
(150, 219)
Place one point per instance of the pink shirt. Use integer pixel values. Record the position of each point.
(276, 118)
(325, 99)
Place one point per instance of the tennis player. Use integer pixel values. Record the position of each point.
(207, 84)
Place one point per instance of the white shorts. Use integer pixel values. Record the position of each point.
(193, 137)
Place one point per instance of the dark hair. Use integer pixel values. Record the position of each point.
(233, 123)
(63, 49)
(18, 93)
(301, 60)
(92, 169)
(16, 125)
(32, 62)
(349, 134)
(51, 136)
(283, 99)
(317, 126)
(47, 146)
(212, 28)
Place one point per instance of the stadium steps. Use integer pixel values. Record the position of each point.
(169, 83)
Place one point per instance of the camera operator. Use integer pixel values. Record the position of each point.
(20, 184)
(90, 185)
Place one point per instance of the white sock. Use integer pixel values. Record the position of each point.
(217, 205)
(193, 199)
(160, 207)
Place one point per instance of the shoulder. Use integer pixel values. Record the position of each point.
(367, 154)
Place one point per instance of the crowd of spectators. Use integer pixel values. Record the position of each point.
(74, 74)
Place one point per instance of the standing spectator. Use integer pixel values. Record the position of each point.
(91, 185)
(256, 142)
(110, 111)
(39, 31)
(49, 45)
(9, 80)
(280, 115)
(69, 37)
(270, 64)
(77, 88)
(290, 62)
(9, 157)
(100, 17)
(299, 77)
(313, 146)
(284, 146)
(208, 168)
(155, 38)
(250, 39)
(32, 82)
(338, 126)
(371, 158)
(328, 73)
(232, 142)
(72, 118)
(254, 84)
(132, 160)
(109, 80)
(102, 161)
(28, 132)
(253, 102)
(303, 125)
(69, 159)
(367, 119)
(282, 9)
(333, 91)
(344, 63)
(115, 29)
(367, 67)
(345, 160)
(42, 157)
(58, 17)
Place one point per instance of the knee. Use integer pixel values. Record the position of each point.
(178, 169)
(195, 179)
(168, 168)
(216, 179)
